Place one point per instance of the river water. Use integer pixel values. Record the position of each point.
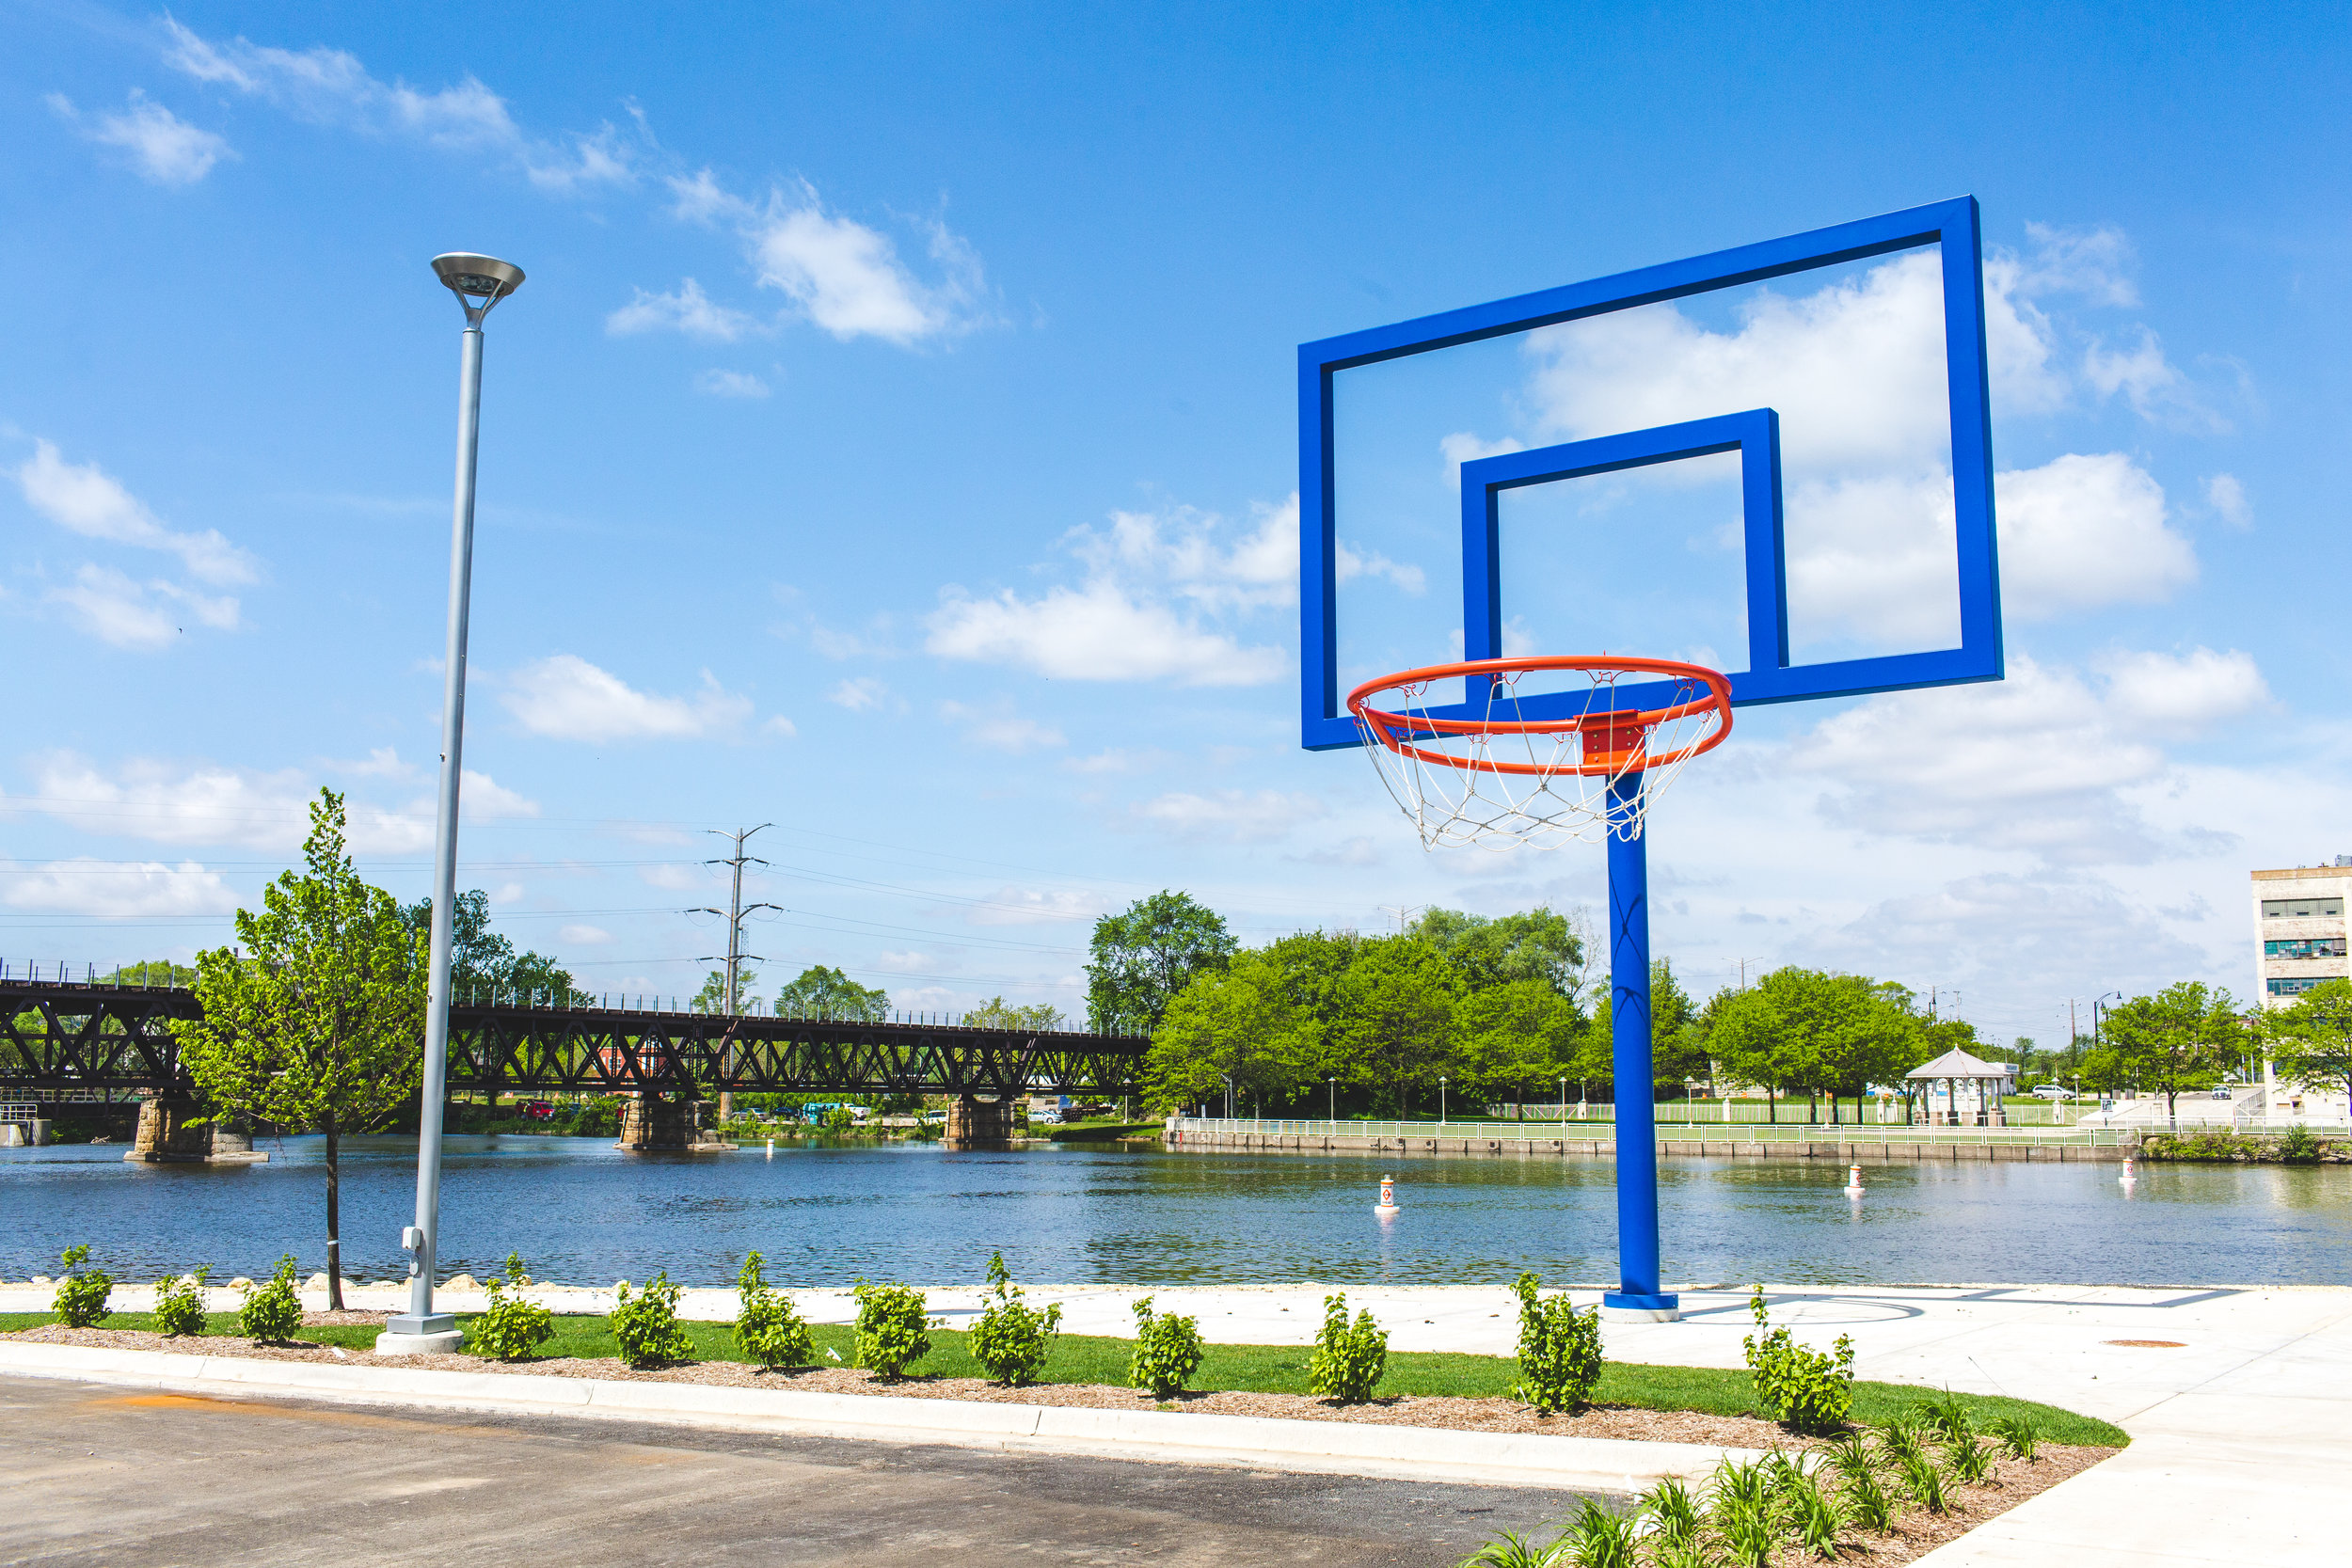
(580, 1212)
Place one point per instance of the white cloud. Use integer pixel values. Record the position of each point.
(1099, 632)
(730, 384)
(848, 279)
(2094, 263)
(482, 798)
(383, 762)
(114, 609)
(92, 502)
(1230, 815)
(778, 725)
(2155, 388)
(331, 87)
(115, 889)
(859, 694)
(2225, 495)
(673, 877)
(565, 697)
(584, 936)
(2083, 531)
(1124, 623)
(1012, 906)
(689, 310)
(2039, 762)
(163, 148)
(1119, 760)
(210, 804)
(2183, 694)
(1000, 729)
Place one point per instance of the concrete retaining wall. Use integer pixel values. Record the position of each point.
(1827, 1147)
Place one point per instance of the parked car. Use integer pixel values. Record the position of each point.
(2053, 1091)
(537, 1110)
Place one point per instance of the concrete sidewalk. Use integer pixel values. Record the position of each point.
(2241, 1421)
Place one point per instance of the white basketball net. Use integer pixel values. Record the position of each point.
(1542, 786)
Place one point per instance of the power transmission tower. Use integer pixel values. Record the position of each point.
(1401, 911)
(732, 915)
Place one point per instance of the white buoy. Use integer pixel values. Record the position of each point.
(2130, 1178)
(1388, 1196)
(1853, 1181)
(772, 1149)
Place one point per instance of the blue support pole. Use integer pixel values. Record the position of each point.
(1638, 1292)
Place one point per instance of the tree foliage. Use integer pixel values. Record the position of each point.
(2311, 1043)
(316, 1016)
(1140, 958)
(997, 1013)
(823, 992)
(482, 963)
(2183, 1038)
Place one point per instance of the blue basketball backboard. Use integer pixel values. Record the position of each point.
(1877, 380)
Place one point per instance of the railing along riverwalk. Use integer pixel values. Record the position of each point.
(1794, 1140)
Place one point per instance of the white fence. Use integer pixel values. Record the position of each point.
(1668, 1132)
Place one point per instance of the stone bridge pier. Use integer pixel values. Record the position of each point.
(980, 1123)
(667, 1124)
(172, 1132)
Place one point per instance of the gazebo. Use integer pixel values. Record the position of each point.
(1953, 1069)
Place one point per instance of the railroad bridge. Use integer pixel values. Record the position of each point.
(100, 1041)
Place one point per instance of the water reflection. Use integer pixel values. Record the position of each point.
(580, 1211)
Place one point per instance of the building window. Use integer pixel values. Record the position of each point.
(2304, 947)
(2301, 908)
(2291, 988)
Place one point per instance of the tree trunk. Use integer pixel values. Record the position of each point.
(1772, 1106)
(334, 1221)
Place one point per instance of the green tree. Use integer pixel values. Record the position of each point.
(1142, 956)
(821, 992)
(316, 1017)
(712, 998)
(997, 1013)
(2183, 1037)
(1236, 1024)
(484, 964)
(1519, 1033)
(1678, 1038)
(1537, 944)
(1397, 1014)
(2311, 1043)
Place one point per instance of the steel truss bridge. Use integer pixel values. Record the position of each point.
(65, 1039)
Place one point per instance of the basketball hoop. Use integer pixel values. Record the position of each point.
(1518, 766)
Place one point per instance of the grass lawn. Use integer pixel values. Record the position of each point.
(1261, 1368)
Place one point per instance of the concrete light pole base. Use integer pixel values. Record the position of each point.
(410, 1335)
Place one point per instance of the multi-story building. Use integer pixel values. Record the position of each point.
(2299, 929)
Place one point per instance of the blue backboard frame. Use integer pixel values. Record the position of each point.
(1954, 226)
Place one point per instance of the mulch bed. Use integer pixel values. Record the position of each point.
(2012, 1481)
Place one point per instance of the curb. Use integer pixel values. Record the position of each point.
(1621, 1467)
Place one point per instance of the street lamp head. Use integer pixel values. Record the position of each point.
(473, 277)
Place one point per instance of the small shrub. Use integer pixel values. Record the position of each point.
(179, 1304)
(890, 1324)
(2019, 1438)
(645, 1329)
(1600, 1538)
(1559, 1349)
(1673, 1514)
(272, 1313)
(1814, 1515)
(511, 1327)
(1809, 1390)
(1900, 1439)
(1348, 1359)
(1745, 1485)
(1924, 1481)
(766, 1328)
(1013, 1338)
(1948, 1416)
(1511, 1551)
(1969, 1459)
(82, 1293)
(1692, 1553)
(1850, 1456)
(1868, 1501)
(2299, 1147)
(1748, 1532)
(1168, 1352)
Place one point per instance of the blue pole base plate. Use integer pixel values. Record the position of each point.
(1621, 1306)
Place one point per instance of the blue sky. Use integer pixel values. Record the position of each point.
(895, 442)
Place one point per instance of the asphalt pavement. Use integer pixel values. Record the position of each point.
(103, 1475)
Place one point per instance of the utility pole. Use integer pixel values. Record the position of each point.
(732, 915)
(1401, 911)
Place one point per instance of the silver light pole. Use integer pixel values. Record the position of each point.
(479, 282)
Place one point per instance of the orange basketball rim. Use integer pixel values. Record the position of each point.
(1609, 741)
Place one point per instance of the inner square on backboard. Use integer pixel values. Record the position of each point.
(1866, 342)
